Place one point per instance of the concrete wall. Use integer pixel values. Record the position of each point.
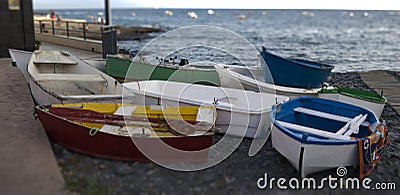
(78, 43)
(16, 27)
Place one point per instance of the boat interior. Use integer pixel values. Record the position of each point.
(64, 74)
(148, 120)
(330, 123)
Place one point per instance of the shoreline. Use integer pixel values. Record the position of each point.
(238, 173)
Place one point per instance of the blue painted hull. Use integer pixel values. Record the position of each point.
(294, 72)
(286, 113)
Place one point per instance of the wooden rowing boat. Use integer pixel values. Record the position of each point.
(230, 77)
(316, 134)
(131, 132)
(366, 99)
(124, 69)
(240, 113)
(59, 77)
(294, 72)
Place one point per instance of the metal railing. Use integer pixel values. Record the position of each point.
(85, 30)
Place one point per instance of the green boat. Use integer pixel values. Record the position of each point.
(118, 67)
(366, 99)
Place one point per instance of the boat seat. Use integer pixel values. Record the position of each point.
(352, 126)
(70, 77)
(314, 131)
(327, 115)
(53, 57)
(125, 110)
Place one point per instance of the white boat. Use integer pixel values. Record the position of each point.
(316, 134)
(59, 77)
(239, 112)
(233, 79)
(366, 99)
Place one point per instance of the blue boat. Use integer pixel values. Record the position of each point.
(294, 72)
(316, 134)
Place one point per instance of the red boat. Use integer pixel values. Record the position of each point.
(95, 129)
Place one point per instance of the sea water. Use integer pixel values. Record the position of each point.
(349, 40)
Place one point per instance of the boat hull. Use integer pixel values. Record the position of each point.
(126, 70)
(375, 107)
(227, 122)
(235, 80)
(230, 120)
(294, 73)
(77, 137)
(313, 158)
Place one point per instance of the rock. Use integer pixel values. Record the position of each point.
(150, 172)
(209, 177)
(124, 169)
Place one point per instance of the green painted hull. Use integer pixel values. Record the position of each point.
(123, 69)
(359, 94)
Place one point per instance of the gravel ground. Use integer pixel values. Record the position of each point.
(236, 174)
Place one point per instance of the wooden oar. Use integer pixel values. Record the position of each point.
(76, 112)
(116, 122)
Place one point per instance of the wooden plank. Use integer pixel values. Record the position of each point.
(382, 81)
(52, 57)
(326, 115)
(314, 131)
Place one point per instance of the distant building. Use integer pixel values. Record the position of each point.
(16, 23)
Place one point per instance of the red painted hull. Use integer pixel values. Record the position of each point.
(76, 137)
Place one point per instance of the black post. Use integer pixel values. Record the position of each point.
(67, 29)
(84, 31)
(52, 27)
(107, 12)
(40, 27)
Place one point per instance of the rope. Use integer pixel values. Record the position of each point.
(93, 131)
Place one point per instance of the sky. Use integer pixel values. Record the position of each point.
(229, 4)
